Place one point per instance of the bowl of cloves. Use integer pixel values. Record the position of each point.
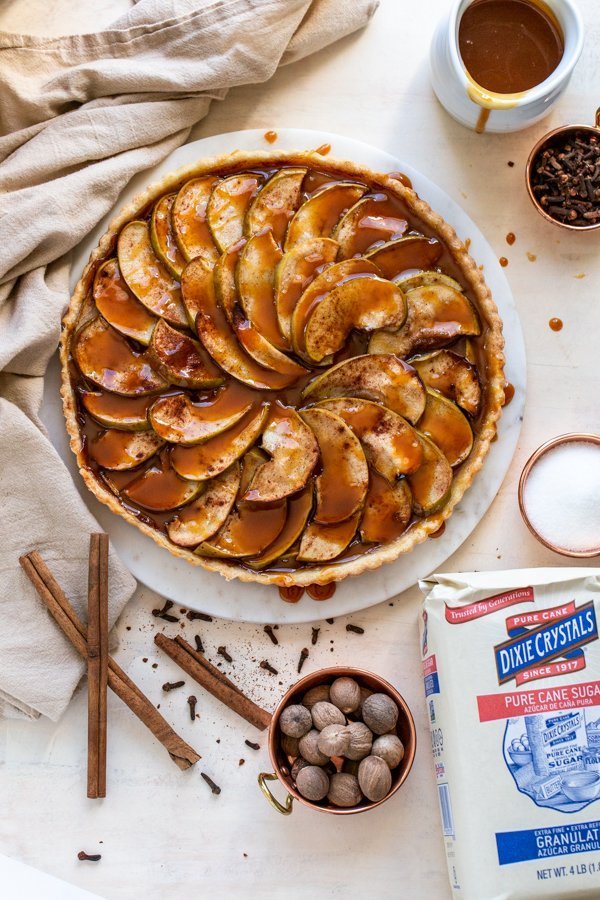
(342, 740)
(563, 176)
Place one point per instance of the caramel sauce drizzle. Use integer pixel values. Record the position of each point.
(556, 324)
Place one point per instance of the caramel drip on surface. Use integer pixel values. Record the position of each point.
(482, 120)
(503, 262)
(439, 532)
(511, 238)
(323, 150)
(270, 136)
(556, 324)
(509, 393)
(321, 591)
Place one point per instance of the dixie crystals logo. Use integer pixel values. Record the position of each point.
(558, 634)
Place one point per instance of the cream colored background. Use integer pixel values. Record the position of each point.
(163, 834)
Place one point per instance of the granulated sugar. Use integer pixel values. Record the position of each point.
(562, 496)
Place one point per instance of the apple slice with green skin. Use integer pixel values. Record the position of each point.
(249, 529)
(318, 216)
(373, 219)
(204, 461)
(293, 452)
(113, 411)
(255, 277)
(384, 379)
(344, 479)
(391, 445)
(177, 420)
(163, 236)
(423, 279)
(145, 275)
(224, 278)
(120, 450)
(437, 315)
(412, 252)
(432, 482)
(206, 515)
(366, 303)
(105, 358)
(321, 543)
(188, 217)
(217, 337)
(387, 512)
(447, 427)
(453, 376)
(229, 202)
(294, 272)
(326, 281)
(159, 488)
(119, 307)
(181, 360)
(275, 204)
(298, 511)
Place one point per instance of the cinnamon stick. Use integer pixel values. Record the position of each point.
(69, 622)
(213, 680)
(97, 663)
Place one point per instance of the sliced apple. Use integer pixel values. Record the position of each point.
(373, 219)
(181, 360)
(112, 411)
(227, 207)
(344, 478)
(188, 217)
(293, 452)
(366, 303)
(275, 204)
(387, 512)
(249, 529)
(321, 543)
(105, 358)
(263, 352)
(298, 511)
(318, 216)
(431, 483)
(163, 236)
(390, 444)
(226, 294)
(412, 252)
(294, 272)
(176, 419)
(145, 275)
(447, 427)
(384, 379)
(159, 488)
(423, 279)
(453, 376)
(255, 277)
(119, 307)
(215, 332)
(332, 277)
(119, 450)
(437, 315)
(203, 518)
(204, 461)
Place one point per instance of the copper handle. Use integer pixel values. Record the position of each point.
(598, 117)
(286, 809)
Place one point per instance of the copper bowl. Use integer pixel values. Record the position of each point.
(405, 730)
(576, 437)
(542, 144)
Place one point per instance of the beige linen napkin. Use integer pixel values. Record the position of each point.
(79, 116)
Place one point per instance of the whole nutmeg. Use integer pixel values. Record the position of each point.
(295, 720)
(334, 740)
(316, 694)
(361, 739)
(390, 748)
(374, 778)
(289, 745)
(344, 790)
(345, 694)
(380, 713)
(313, 783)
(309, 749)
(299, 763)
(324, 713)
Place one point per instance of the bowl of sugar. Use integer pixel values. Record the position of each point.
(559, 494)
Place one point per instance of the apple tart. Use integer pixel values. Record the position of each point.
(282, 368)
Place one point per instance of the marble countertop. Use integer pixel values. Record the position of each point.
(161, 832)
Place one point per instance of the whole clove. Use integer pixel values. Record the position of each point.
(222, 651)
(192, 614)
(172, 685)
(89, 857)
(330, 621)
(252, 745)
(356, 629)
(164, 612)
(199, 644)
(315, 636)
(566, 178)
(192, 703)
(265, 664)
(268, 629)
(303, 658)
(214, 787)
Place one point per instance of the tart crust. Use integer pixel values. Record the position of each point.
(494, 381)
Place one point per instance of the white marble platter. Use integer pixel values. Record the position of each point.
(209, 592)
